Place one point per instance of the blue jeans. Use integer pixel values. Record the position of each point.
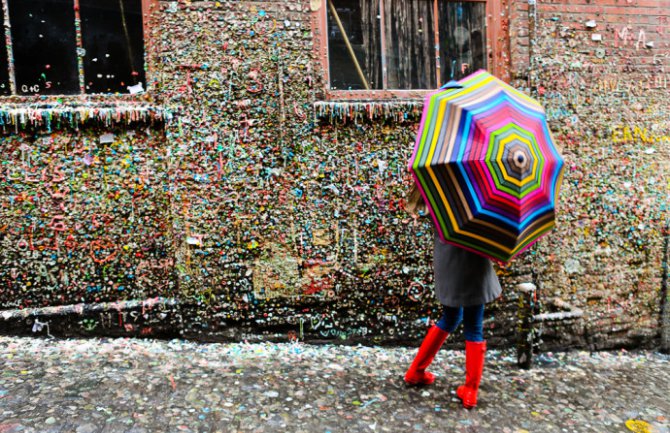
(472, 318)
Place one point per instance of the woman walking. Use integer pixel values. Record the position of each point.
(464, 283)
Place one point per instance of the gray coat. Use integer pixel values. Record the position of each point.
(463, 278)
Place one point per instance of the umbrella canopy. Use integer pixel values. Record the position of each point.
(485, 163)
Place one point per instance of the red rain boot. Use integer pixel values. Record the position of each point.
(417, 374)
(474, 366)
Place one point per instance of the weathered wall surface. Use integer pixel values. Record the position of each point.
(283, 218)
(84, 221)
(262, 214)
(601, 70)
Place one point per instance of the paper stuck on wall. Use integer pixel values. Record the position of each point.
(137, 88)
(194, 240)
(107, 138)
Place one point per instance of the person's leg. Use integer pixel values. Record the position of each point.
(437, 334)
(473, 323)
(475, 349)
(451, 318)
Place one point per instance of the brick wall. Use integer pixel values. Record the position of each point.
(284, 217)
(601, 70)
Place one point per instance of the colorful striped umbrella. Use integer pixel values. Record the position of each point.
(485, 163)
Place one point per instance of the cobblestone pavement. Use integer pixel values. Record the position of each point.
(138, 386)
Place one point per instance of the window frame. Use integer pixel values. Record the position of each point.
(149, 18)
(497, 51)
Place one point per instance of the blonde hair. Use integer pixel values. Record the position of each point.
(415, 204)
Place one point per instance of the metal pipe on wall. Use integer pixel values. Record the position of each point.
(665, 294)
(532, 43)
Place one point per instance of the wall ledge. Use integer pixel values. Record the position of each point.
(58, 116)
(348, 110)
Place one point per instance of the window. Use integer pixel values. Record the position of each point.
(66, 47)
(404, 44)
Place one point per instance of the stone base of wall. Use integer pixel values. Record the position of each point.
(167, 319)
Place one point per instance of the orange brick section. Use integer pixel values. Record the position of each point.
(638, 30)
(605, 90)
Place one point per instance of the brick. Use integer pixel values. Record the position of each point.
(662, 4)
(636, 11)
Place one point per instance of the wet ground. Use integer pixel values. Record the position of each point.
(141, 386)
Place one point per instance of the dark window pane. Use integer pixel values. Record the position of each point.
(462, 38)
(44, 46)
(113, 40)
(410, 44)
(360, 22)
